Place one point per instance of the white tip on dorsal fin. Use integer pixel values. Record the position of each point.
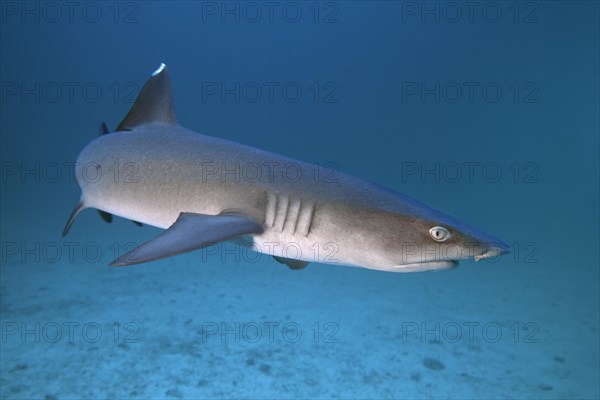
(154, 103)
(159, 69)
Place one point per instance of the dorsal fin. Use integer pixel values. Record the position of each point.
(103, 129)
(154, 103)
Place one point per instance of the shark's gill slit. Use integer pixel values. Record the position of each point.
(304, 218)
(311, 217)
(283, 203)
(270, 209)
(291, 219)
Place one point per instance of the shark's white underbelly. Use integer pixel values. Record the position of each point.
(293, 247)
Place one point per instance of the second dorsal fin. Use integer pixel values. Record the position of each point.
(154, 103)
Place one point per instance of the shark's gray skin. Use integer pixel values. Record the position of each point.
(204, 190)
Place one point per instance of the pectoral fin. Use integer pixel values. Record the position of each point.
(191, 232)
(292, 264)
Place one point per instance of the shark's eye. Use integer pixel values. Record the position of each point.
(439, 233)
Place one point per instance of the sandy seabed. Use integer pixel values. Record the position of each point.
(200, 326)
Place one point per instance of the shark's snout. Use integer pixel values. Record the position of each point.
(495, 250)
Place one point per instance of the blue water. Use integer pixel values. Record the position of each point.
(489, 112)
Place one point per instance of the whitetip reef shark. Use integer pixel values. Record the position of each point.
(154, 171)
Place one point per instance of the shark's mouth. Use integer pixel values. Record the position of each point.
(427, 266)
(441, 265)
